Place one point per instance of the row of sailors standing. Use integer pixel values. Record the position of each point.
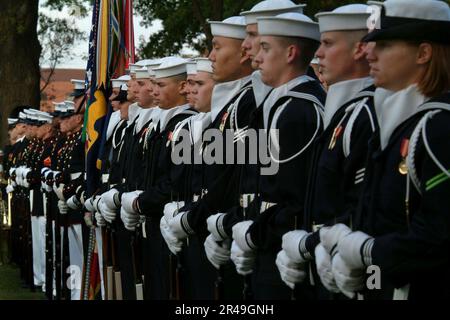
(359, 178)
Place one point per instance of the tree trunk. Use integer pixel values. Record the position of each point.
(19, 58)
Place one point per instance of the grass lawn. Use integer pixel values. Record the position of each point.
(10, 285)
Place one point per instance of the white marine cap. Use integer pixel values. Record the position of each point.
(46, 118)
(70, 106)
(12, 121)
(191, 67)
(345, 18)
(170, 67)
(78, 84)
(117, 83)
(289, 25)
(204, 64)
(271, 8)
(232, 27)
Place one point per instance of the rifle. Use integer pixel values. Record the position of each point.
(136, 261)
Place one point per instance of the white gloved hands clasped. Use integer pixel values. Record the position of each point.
(174, 245)
(243, 260)
(111, 199)
(217, 253)
(324, 270)
(215, 226)
(128, 214)
(100, 220)
(290, 271)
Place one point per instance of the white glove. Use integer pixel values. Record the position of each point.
(59, 190)
(19, 176)
(356, 249)
(89, 204)
(111, 199)
(215, 226)
(179, 226)
(244, 260)
(242, 237)
(107, 213)
(128, 200)
(323, 266)
(171, 209)
(46, 186)
(62, 206)
(330, 236)
(347, 280)
(291, 245)
(9, 188)
(11, 171)
(130, 220)
(290, 271)
(73, 203)
(100, 220)
(96, 203)
(25, 173)
(172, 242)
(217, 254)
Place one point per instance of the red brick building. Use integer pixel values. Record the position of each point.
(59, 86)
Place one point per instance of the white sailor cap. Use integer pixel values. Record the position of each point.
(271, 8)
(170, 67)
(152, 66)
(232, 27)
(138, 65)
(345, 18)
(289, 25)
(204, 64)
(191, 67)
(117, 83)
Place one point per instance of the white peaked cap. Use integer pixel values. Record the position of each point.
(204, 64)
(78, 84)
(45, 118)
(289, 25)
(191, 67)
(70, 105)
(232, 27)
(271, 8)
(12, 121)
(349, 17)
(170, 67)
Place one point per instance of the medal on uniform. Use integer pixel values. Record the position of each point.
(403, 167)
(336, 134)
(222, 122)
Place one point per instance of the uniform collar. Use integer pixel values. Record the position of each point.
(144, 118)
(167, 115)
(260, 89)
(223, 93)
(393, 108)
(112, 124)
(133, 112)
(280, 92)
(342, 92)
